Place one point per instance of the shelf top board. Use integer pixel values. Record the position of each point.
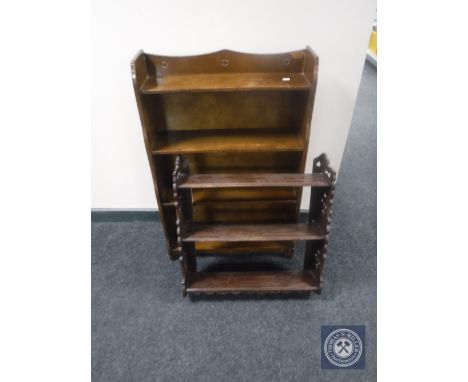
(186, 142)
(253, 232)
(225, 82)
(255, 180)
(252, 282)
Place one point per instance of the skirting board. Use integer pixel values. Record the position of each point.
(102, 215)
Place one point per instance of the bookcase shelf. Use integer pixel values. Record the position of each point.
(253, 232)
(240, 124)
(314, 232)
(255, 180)
(186, 142)
(225, 82)
(253, 282)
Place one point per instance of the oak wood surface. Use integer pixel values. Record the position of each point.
(249, 194)
(232, 282)
(252, 232)
(252, 247)
(255, 180)
(182, 142)
(226, 110)
(227, 61)
(225, 82)
(242, 162)
(236, 92)
(240, 120)
(139, 70)
(244, 212)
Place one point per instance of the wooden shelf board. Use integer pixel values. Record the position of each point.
(253, 232)
(233, 248)
(255, 180)
(225, 82)
(246, 282)
(192, 142)
(243, 203)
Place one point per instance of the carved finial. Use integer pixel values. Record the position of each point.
(320, 163)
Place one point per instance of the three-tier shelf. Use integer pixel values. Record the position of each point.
(226, 136)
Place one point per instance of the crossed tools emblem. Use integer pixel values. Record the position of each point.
(343, 345)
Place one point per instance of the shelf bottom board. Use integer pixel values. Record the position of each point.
(253, 232)
(252, 282)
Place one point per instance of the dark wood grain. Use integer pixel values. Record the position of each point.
(227, 61)
(227, 112)
(253, 232)
(139, 71)
(252, 282)
(244, 212)
(255, 180)
(253, 195)
(222, 248)
(183, 142)
(243, 162)
(240, 124)
(225, 82)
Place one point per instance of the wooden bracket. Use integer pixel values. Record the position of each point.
(320, 211)
(315, 233)
(183, 208)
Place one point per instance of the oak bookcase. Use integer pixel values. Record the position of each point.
(226, 135)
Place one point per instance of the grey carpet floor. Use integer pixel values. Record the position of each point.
(143, 330)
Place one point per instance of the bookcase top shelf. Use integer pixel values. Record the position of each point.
(225, 82)
(226, 71)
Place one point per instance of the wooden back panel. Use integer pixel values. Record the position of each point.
(226, 110)
(227, 61)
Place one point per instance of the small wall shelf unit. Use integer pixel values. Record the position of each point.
(226, 135)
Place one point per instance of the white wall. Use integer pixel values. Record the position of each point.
(337, 30)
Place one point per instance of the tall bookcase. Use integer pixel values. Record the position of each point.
(227, 113)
